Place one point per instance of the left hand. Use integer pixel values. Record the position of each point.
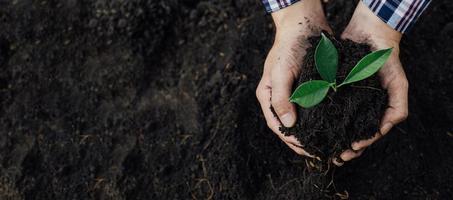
(366, 27)
(294, 25)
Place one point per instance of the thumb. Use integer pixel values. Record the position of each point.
(282, 81)
(398, 104)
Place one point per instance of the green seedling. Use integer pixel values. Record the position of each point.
(312, 92)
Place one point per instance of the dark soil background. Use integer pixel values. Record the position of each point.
(155, 100)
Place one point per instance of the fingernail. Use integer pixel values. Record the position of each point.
(287, 120)
(355, 146)
(386, 128)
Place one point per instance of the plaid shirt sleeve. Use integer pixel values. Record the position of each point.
(398, 14)
(274, 5)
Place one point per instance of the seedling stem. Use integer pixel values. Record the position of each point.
(312, 92)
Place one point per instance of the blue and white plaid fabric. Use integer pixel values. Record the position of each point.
(274, 5)
(398, 14)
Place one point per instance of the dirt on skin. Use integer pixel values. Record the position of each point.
(350, 114)
(155, 100)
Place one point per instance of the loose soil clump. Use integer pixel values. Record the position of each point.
(350, 114)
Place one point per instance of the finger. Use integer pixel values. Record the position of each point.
(391, 117)
(350, 154)
(263, 94)
(398, 104)
(356, 146)
(396, 113)
(282, 81)
(395, 82)
(299, 150)
(338, 162)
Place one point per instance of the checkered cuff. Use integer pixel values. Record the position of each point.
(274, 5)
(401, 15)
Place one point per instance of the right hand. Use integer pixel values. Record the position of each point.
(366, 27)
(294, 25)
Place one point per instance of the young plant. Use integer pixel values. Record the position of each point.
(312, 92)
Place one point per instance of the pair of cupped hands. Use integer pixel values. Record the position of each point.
(294, 25)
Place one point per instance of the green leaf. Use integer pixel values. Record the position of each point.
(326, 59)
(310, 93)
(367, 66)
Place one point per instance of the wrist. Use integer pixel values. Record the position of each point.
(366, 27)
(305, 17)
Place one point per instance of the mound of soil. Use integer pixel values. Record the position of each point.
(350, 114)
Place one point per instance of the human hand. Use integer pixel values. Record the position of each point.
(366, 27)
(294, 25)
